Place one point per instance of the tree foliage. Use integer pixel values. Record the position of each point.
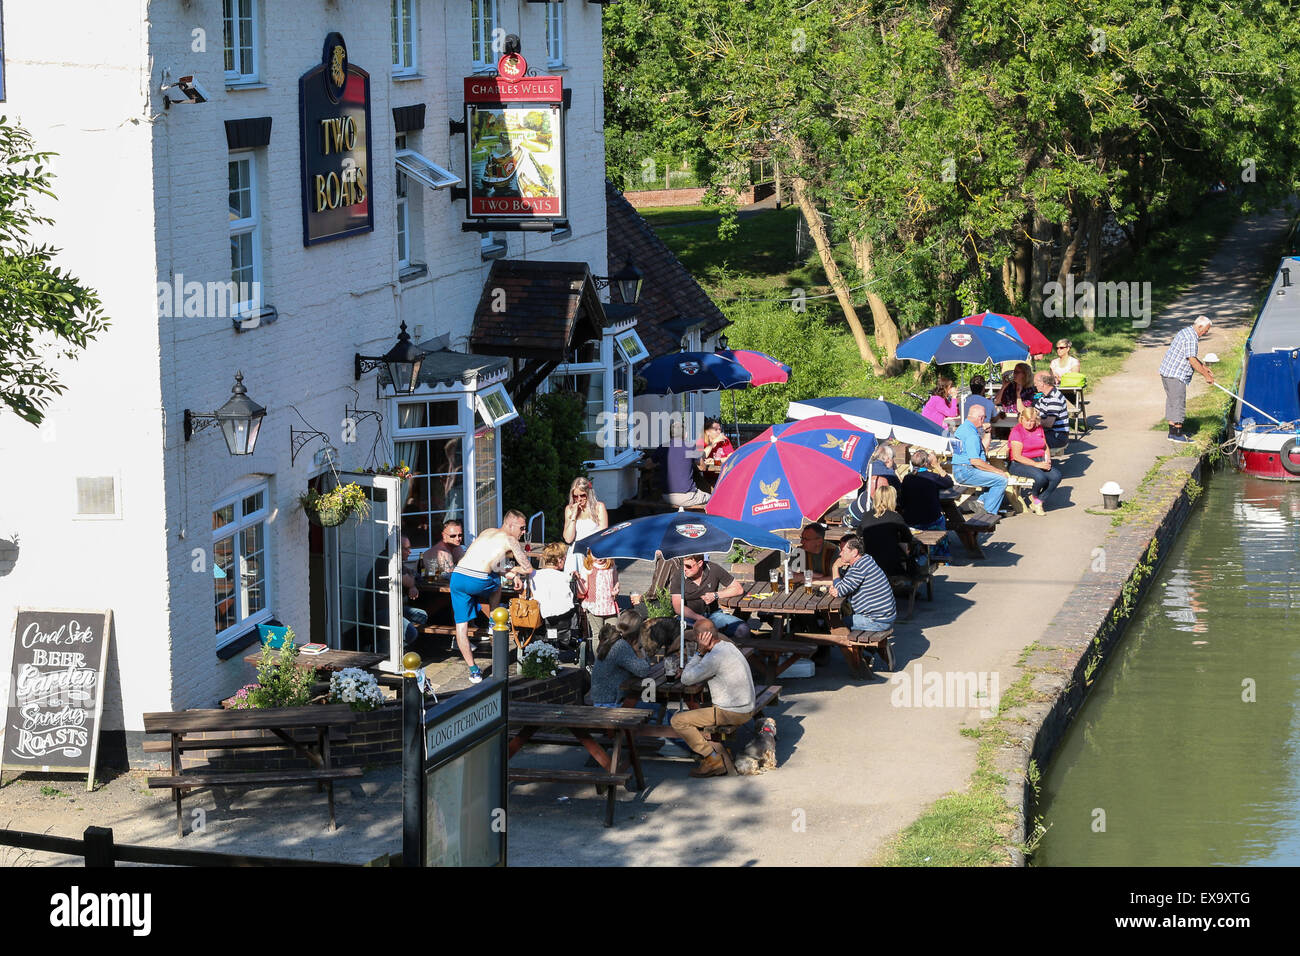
(542, 451)
(46, 314)
(967, 152)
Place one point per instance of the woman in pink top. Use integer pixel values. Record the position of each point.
(942, 403)
(1031, 458)
(598, 588)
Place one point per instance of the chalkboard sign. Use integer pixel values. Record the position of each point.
(56, 683)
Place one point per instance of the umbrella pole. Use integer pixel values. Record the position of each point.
(681, 626)
(735, 419)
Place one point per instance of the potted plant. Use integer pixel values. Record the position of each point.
(280, 681)
(540, 661)
(400, 471)
(331, 508)
(357, 688)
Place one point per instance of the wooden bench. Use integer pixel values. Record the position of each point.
(286, 725)
(853, 643)
(968, 526)
(618, 724)
(775, 656)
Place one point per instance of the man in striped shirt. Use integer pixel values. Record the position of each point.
(1052, 410)
(1176, 374)
(866, 587)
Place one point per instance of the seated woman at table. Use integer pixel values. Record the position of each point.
(885, 535)
(1018, 393)
(1064, 362)
(1030, 457)
(919, 503)
(942, 403)
(882, 471)
(714, 447)
(617, 660)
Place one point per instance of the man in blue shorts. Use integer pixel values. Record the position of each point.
(477, 578)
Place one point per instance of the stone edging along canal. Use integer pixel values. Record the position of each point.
(1086, 630)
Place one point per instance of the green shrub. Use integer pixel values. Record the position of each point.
(542, 451)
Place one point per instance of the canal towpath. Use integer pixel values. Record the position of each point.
(856, 768)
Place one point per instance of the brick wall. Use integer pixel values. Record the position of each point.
(680, 197)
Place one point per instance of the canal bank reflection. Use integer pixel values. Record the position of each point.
(1188, 749)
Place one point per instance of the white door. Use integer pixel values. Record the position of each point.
(363, 573)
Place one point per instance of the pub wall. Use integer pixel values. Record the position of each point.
(79, 89)
(333, 299)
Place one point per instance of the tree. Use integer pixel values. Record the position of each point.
(46, 314)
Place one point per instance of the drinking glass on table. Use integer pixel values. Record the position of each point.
(773, 577)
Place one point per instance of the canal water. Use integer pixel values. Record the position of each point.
(1187, 751)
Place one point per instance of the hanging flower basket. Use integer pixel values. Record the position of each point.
(331, 508)
(400, 471)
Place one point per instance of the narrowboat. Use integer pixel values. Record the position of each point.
(1266, 417)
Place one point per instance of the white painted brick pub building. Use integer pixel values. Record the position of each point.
(109, 505)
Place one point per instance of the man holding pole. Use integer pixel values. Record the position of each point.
(1176, 374)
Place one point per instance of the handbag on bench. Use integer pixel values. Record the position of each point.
(525, 615)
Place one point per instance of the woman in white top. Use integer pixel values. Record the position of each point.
(583, 515)
(1064, 361)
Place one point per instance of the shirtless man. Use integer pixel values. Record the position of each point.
(476, 578)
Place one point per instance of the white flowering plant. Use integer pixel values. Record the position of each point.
(355, 687)
(540, 660)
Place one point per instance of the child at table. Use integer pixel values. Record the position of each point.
(598, 588)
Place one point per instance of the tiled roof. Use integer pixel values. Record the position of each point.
(540, 305)
(671, 299)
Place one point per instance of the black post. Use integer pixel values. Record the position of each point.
(412, 769)
(99, 847)
(500, 649)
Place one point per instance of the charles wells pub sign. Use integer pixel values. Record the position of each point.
(515, 144)
(334, 125)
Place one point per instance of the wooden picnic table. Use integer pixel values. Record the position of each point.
(578, 721)
(331, 660)
(760, 597)
(282, 722)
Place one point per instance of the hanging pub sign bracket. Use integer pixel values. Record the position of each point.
(457, 127)
(492, 225)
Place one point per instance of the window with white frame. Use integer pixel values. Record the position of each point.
(483, 23)
(239, 39)
(429, 438)
(240, 561)
(245, 233)
(555, 34)
(403, 36)
(403, 210)
(586, 377)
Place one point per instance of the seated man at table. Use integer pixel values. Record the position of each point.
(676, 462)
(731, 692)
(1053, 413)
(813, 553)
(446, 554)
(866, 586)
(705, 584)
(977, 397)
(477, 578)
(415, 617)
(970, 464)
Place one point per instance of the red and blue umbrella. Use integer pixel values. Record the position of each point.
(957, 344)
(764, 369)
(792, 471)
(692, 372)
(883, 419)
(1014, 325)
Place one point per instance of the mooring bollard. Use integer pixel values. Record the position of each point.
(500, 641)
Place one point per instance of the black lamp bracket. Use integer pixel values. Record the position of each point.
(195, 422)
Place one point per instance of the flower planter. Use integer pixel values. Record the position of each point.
(328, 517)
